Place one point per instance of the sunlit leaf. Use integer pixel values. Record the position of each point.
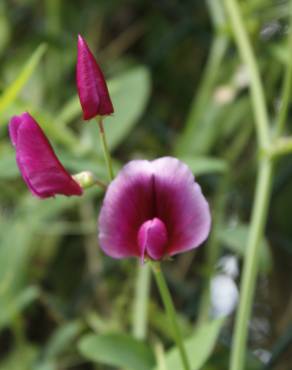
(198, 347)
(11, 92)
(117, 350)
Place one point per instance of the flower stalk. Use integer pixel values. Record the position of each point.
(248, 57)
(171, 313)
(247, 288)
(264, 180)
(140, 309)
(105, 149)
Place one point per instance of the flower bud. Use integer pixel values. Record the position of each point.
(92, 89)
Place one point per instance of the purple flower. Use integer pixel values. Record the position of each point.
(39, 166)
(153, 209)
(92, 89)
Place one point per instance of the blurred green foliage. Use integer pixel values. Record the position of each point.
(178, 88)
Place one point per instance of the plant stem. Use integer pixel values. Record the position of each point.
(256, 88)
(262, 193)
(170, 310)
(105, 149)
(141, 301)
(247, 286)
(287, 85)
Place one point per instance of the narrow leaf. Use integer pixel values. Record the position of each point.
(11, 92)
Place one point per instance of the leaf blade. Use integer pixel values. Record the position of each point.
(17, 85)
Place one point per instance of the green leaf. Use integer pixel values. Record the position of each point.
(117, 350)
(201, 137)
(236, 240)
(205, 165)
(22, 357)
(17, 85)
(15, 246)
(198, 347)
(8, 167)
(10, 308)
(130, 93)
(61, 338)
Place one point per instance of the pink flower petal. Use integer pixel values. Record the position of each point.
(40, 168)
(146, 195)
(127, 204)
(181, 205)
(152, 239)
(92, 89)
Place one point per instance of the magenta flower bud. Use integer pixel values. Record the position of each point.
(153, 210)
(92, 89)
(38, 164)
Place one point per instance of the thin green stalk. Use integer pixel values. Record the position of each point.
(247, 286)
(140, 308)
(256, 88)
(262, 194)
(170, 310)
(287, 85)
(105, 149)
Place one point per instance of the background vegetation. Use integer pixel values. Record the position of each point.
(179, 88)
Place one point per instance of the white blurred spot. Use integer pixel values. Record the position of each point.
(224, 94)
(263, 355)
(229, 265)
(270, 29)
(224, 295)
(241, 77)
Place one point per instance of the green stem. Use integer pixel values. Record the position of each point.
(248, 57)
(105, 149)
(141, 301)
(287, 85)
(247, 288)
(262, 194)
(170, 310)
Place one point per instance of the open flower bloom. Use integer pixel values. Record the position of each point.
(92, 89)
(153, 209)
(39, 166)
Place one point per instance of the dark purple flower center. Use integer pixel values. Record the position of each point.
(152, 239)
